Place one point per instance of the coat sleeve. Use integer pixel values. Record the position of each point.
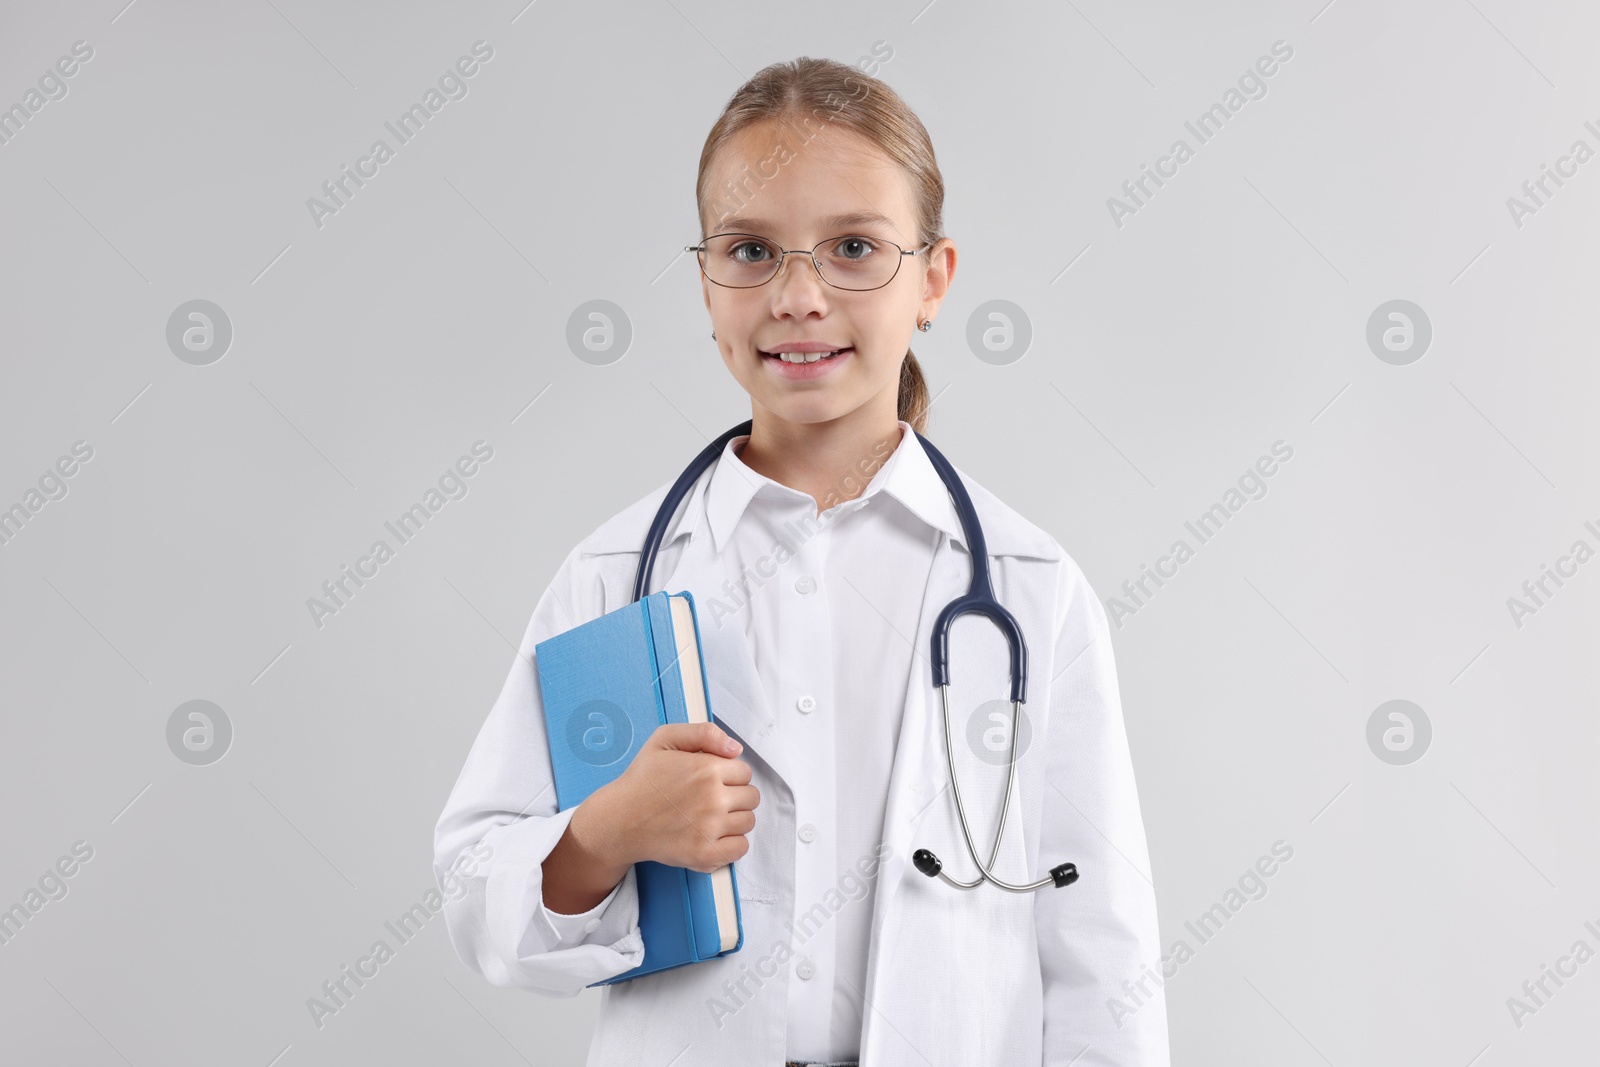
(574, 929)
(501, 822)
(1100, 932)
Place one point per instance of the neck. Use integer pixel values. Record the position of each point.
(830, 461)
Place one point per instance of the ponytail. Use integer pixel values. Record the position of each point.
(913, 405)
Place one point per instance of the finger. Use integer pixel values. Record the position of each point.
(733, 848)
(697, 737)
(743, 798)
(735, 772)
(739, 822)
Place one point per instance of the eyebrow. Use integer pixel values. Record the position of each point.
(744, 224)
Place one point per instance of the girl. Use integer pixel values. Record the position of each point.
(819, 548)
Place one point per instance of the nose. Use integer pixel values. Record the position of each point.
(798, 289)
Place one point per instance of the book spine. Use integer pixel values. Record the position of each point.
(647, 606)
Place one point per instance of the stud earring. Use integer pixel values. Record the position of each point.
(713, 335)
(925, 325)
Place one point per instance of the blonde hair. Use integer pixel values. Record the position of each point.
(805, 90)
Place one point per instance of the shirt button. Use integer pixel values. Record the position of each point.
(591, 926)
(808, 832)
(804, 584)
(807, 703)
(805, 968)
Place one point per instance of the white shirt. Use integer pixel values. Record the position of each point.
(829, 604)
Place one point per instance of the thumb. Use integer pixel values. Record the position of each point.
(699, 737)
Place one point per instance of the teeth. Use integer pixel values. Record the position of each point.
(806, 357)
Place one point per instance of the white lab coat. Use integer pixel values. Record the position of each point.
(965, 978)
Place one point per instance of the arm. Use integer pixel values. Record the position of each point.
(501, 824)
(1100, 932)
(574, 928)
(578, 877)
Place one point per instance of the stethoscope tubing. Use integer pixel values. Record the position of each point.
(984, 869)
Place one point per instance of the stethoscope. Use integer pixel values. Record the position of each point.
(979, 599)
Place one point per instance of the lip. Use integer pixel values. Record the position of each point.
(807, 346)
(799, 372)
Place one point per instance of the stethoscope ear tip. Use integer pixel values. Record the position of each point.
(929, 864)
(1064, 874)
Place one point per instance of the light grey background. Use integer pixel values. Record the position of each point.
(431, 312)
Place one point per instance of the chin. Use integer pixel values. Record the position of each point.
(808, 410)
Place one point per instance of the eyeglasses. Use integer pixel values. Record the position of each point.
(854, 262)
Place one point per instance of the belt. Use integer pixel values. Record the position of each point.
(819, 1063)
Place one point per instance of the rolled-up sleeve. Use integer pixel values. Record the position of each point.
(1100, 932)
(574, 929)
(501, 822)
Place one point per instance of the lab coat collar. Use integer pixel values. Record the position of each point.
(907, 475)
(1006, 532)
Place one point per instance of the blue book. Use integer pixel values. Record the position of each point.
(607, 685)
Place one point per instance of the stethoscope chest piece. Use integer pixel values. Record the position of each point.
(1062, 874)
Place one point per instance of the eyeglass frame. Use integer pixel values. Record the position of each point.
(784, 254)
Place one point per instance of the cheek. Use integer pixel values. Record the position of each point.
(887, 349)
(731, 361)
(736, 324)
(881, 367)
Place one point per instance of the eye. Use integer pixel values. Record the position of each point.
(854, 248)
(737, 252)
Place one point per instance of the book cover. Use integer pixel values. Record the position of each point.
(607, 684)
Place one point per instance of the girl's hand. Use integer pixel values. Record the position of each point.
(684, 801)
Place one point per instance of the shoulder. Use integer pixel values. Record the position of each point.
(1005, 531)
(599, 568)
(625, 531)
(1008, 533)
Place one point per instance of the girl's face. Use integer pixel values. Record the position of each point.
(837, 184)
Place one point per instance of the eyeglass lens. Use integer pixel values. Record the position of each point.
(742, 260)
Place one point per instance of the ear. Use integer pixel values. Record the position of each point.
(939, 273)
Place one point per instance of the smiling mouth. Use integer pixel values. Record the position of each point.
(804, 357)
